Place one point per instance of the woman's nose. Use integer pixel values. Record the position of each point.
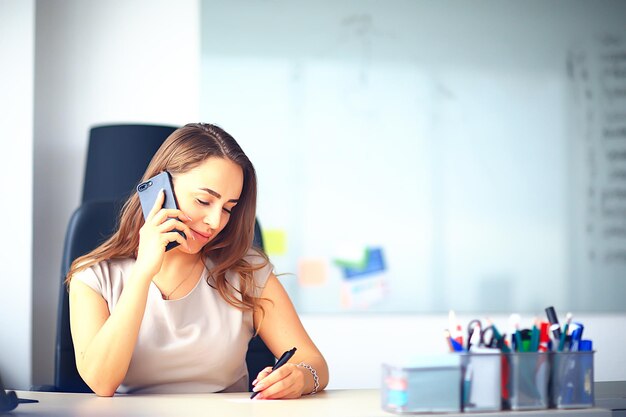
(213, 218)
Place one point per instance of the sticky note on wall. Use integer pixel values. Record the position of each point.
(371, 262)
(275, 241)
(312, 272)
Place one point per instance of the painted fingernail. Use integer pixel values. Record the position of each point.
(255, 381)
(257, 388)
(188, 217)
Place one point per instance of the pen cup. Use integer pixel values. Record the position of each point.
(481, 381)
(429, 384)
(525, 377)
(571, 382)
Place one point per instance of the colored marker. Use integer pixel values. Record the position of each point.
(453, 344)
(455, 327)
(501, 344)
(514, 323)
(577, 335)
(568, 320)
(544, 337)
(534, 336)
(553, 319)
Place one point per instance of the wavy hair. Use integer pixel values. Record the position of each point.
(185, 149)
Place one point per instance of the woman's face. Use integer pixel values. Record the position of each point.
(208, 194)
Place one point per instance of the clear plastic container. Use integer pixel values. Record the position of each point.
(481, 381)
(429, 384)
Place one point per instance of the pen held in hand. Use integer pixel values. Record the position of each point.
(284, 358)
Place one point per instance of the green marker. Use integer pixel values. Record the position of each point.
(501, 343)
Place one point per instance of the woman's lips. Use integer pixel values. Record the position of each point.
(200, 236)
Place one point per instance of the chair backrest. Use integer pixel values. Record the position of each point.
(117, 157)
(91, 224)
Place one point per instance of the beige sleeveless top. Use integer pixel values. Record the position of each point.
(194, 344)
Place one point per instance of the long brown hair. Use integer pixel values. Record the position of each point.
(182, 151)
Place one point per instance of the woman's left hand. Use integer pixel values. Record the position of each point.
(284, 382)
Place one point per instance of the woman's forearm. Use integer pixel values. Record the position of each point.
(319, 369)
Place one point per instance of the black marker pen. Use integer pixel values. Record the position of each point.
(552, 318)
(281, 361)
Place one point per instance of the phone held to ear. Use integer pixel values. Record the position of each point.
(148, 192)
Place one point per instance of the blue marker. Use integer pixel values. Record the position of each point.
(577, 335)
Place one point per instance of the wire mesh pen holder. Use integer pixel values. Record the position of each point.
(525, 378)
(571, 380)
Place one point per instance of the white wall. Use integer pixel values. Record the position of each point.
(17, 49)
(466, 117)
(97, 62)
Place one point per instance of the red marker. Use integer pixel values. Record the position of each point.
(544, 336)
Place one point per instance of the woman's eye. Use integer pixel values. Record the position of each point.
(208, 203)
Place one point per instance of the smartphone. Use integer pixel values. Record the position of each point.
(148, 192)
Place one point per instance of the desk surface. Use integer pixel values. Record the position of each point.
(332, 403)
(612, 395)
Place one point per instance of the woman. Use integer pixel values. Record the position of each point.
(144, 319)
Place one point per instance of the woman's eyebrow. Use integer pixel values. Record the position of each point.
(218, 195)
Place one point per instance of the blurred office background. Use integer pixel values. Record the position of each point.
(478, 148)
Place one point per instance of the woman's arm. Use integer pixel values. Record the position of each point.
(104, 342)
(281, 330)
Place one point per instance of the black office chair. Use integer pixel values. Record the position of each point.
(90, 225)
(117, 157)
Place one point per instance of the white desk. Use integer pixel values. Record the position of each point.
(333, 403)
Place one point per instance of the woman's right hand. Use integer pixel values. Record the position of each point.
(160, 229)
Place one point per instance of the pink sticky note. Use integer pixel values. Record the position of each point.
(312, 272)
